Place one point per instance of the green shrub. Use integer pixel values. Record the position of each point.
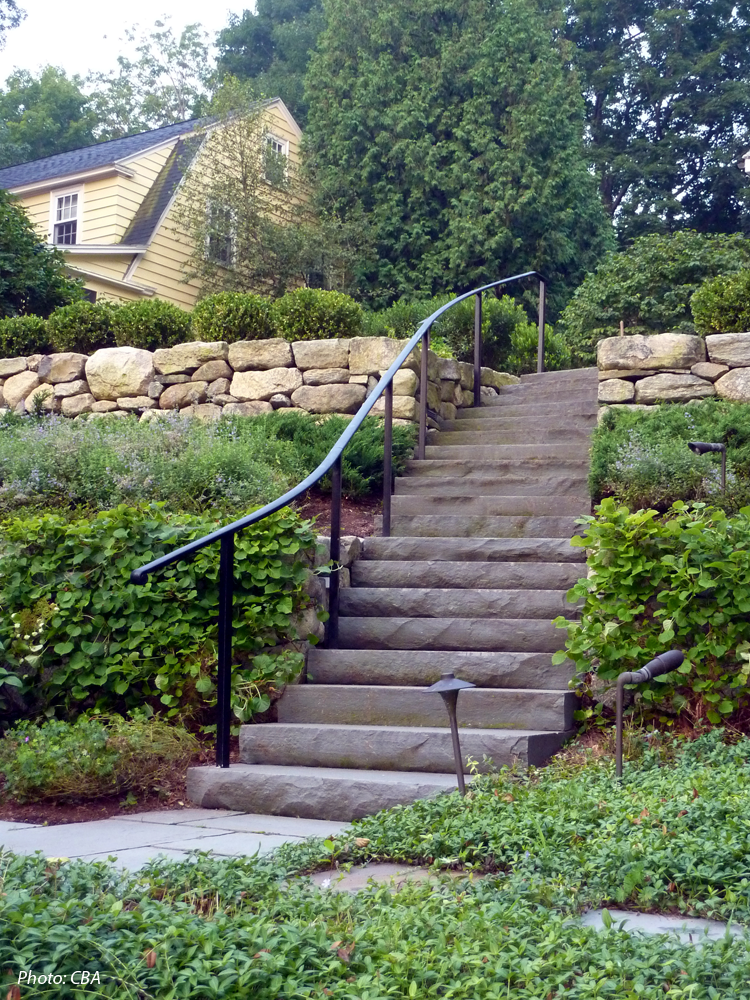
(150, 324)
(722, 304)
(21, 336)
(682, 580)
(316, 314)
(80, 636)
(82, 327)
(91, 757)
(233, 316)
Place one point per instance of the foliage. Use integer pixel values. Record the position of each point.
(233, 316)
(80, 636)
(722, 304)
(91, 757)
(648, 287)
(681, 580)
(316, 314)
(32, 274)
(641, 457)
(11, 16)
(83, 327)
(455, 134)
(362, 462)
(150, 324)
(21, 336)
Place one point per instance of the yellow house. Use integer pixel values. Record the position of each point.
(111, 207)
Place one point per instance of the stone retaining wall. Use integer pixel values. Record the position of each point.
(206, 380)
(673, 367)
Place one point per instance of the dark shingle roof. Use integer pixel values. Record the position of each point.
(153, 206)
(100, 155)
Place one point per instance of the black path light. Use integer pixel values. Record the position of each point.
(448, 687)
(663, 664)
(702, 447)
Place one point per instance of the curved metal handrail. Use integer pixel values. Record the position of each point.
(331, 463)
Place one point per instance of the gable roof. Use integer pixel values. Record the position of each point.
(101, 154)
(146, 220)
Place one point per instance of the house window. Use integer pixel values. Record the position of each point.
(65, 218)
(220, 235)
(275, 160)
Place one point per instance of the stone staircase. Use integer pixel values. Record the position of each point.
(477, 566)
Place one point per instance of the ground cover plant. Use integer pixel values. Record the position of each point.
(673, 835)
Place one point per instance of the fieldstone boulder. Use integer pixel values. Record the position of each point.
(708, 370)
(112, 372)
(44, 396)
(135, 403)
(467, 375)
(448, 368)
(155, 390)
(73, 406)
(497, 379)
(321, 354)
(260, 355)
(671, 388)
(222, 398)
(448, 411)
(156, 414)
(173, 379)
(65, 367)
(372, 355)
(249, 409)
(218, 388)
(17, 387)
(107, 414)
(731, 349)
(329, 398)
(212, 370)
(404, 408)
(183, 394)
(186, 358)
(735, 385)
(662, 350)
(433, 397)
(12, 366)
(326, 376)
(255, 385)
(65, 389)
(447, 389)
(616, 390)
(32, 361)
(103, 406)
(202, 411)
(280, 401)
(405, 383)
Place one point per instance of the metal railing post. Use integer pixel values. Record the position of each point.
(542, 317)
(388, 460)
(478, 349)
(224, 679)
(333, 590)
(423, 396)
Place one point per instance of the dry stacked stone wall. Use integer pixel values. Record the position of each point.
(673, 368)
(208, 379)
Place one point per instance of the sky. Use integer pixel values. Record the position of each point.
(84, 35)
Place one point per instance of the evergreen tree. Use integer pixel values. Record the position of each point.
(453, 128)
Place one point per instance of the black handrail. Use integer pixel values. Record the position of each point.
(332, 463)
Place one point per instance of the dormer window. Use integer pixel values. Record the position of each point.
(65, 211)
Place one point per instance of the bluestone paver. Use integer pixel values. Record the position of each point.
(104, 836)
(233, 844)
(690, 930)
(283, 825)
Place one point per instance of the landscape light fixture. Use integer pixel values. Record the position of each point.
(702, 448)
(448, 687)
(663, 664)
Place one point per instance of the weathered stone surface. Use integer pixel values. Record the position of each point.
(72, 406)
(616, 390)
(155, 389)
(12, 366)
(218, 388)
(467, 375)
(17, 387)
(330, 398)
(487, 392)
(709, 370)
(327, 376)
(735, 385)
(65, 367)
(468, 398)
(636, 373)
(156, 414)
(458, 396)
(731, 349)
(202, 411)
(415, 363)
(662, 350)
(404, 407)
(260, 355)
(350, 547)
(405, 383)
(186, 358)
(32, 362)
(372, 355)
(433, 397)
(448, 368)
(359, 379)
(3, 407)
(222, 398)
(184, 394)
(254, 385)
(135, 403)
(280, 401)
(65, 389)
(252, 409)
(47, 400)
(103, 406)
(497, 379)
(448, 411)
(173, 379)
(212, 370)
(107, 414)
(671, 388)
(119, 371)
(447, 390)
(321, 354)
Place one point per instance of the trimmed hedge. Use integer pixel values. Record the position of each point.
(316, 314)
(83, 327)
(150, 324)
(233, 316)
(21, 336)
(722, 305)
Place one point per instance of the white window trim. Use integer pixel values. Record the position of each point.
(53, 196)
(284, 143)
(232, 239)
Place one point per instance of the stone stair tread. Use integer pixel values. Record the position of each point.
(538, 452)
(534, 635)
(476, 502)
(466, 468)
(515, 405)
(471, 549)
(519, 435)
(480, 525)
(459, 574)
(516, 486)
(453, 602)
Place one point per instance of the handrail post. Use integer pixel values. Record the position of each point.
(478, 349)
(542, 317)
(224, 679)
(388, 460)
(333, 590)
(423, 396)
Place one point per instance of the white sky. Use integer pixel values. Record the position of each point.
(83, 35)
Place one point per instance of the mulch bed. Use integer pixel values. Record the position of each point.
(357, 513)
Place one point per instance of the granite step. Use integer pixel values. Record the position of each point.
(484, 526)
(451, 602)
(516, 406)
(464, 468)
(509, 452)
(467, 575)
(499, 421)
(473, 550)
(517, 434)
(491, 486)
(490, 634)
(475, 502)
(590, 374)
